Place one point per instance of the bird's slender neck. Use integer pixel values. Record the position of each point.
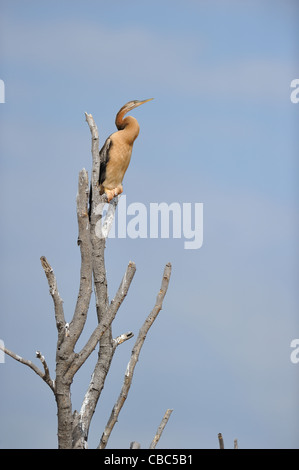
(119, 120)
(129, 125)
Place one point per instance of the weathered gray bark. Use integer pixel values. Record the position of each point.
(73, 426)
(160, 429)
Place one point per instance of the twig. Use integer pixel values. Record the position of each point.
(44, 363)
(45, 376)
(160, 429)
(122, 338)
(221, 442)
(134, 358)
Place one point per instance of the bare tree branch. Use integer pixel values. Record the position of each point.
(96, 203)
(94, 152)
(160, 429)
(85, 288)
(45, 366)
(58, 302)
(221, 442)
(134, 358)
(43, 375)
(122, 290)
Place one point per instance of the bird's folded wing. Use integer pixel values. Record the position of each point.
(104, 158)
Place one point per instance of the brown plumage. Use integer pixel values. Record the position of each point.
(116, 152)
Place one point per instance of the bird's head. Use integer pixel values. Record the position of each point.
(125, 109)
(131, 105)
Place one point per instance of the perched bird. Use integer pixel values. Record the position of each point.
(116, 152)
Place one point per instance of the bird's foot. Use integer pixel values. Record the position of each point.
(111, 193)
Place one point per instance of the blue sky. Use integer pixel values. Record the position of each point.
(220, 131)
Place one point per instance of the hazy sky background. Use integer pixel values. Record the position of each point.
(221, 131)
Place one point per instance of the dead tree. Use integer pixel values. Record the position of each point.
(73, 426)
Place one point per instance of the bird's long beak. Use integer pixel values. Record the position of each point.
(145, 101)
(141, 102)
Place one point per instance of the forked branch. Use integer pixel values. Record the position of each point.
(43, 375)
